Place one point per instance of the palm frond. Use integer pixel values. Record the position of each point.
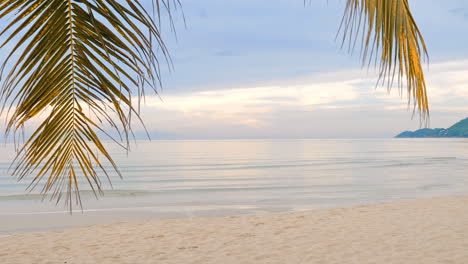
(78, 63)
(391, 39)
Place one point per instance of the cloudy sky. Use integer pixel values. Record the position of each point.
(273, 69)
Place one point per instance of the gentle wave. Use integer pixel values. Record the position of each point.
(288, 172)
(84, 194)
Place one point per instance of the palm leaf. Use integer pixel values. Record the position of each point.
(391, 39)
(78, 63)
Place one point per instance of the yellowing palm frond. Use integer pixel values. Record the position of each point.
(78, 62)
(392, 39)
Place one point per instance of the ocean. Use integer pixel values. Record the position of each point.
(198, 178)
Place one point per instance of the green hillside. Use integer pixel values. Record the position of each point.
(460, 129)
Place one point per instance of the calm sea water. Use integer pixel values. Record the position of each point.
(197, 178)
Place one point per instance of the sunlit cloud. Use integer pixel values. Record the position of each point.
(333, 104)
(315, 105)
(447, 85)
(244, 105)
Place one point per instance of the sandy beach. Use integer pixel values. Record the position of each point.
(420, 231)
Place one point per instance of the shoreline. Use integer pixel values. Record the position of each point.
(49, 220)
(431, 230)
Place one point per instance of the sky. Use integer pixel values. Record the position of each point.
(275, 69)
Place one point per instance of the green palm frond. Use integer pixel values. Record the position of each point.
(78, 63)
(390, 38)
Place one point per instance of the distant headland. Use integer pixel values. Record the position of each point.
(460, 129)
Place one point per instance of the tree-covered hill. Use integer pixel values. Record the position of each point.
(460, 129)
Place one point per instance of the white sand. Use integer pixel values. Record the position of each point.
(422, 231)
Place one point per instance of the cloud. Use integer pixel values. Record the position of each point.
(338, 104)
(247, 106)
(333, 104)
(447, 85)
